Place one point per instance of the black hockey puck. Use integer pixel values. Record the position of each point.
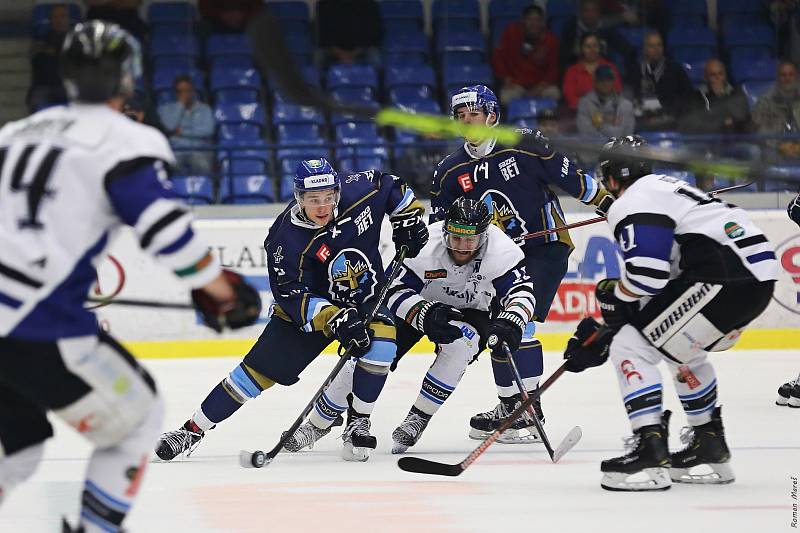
(258, 459)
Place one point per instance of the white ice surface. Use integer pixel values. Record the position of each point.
(510, 488)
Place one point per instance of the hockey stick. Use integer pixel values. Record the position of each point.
(425, 466)
(572, 437)
(140, 303)
(259, 458)
(601, 219)
(274, 58)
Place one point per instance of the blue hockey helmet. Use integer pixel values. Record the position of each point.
(315, 175)
(476, 98)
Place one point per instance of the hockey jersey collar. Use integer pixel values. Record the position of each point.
(299, 219)
(481, 150)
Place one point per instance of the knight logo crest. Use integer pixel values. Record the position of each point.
(504, 214)
(352, 279)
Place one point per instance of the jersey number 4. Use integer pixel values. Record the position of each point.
(36, 188)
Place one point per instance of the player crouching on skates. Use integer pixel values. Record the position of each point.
(325, 270)
(691, 262)
(468, 286)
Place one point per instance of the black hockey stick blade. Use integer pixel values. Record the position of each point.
(424, 466)
(570, 440)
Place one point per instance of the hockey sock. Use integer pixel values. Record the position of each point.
(696, 384)
(242, 384)
(333, 401)
(444, 374)
(640, 384)
(368, 381)
(530, 364)
(114, 475)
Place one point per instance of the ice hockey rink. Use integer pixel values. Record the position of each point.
(509, 488)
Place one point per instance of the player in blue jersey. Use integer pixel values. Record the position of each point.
(516, 182)
(325, 270)
(691, 261)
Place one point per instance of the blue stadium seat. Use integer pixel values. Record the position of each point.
(409, 75)
(351, 76)
(164, 78)
(240, 165)
(692, 54)
(444, 9)
(694, 70)
(682, 36)
(172, 27)
(170, 11)
(530, 108)
(456, 25)
(460, 42)
(509, 9)
(241, 132)
(562, 8)
(401, 9)
(406, 95)
(299, 133)
(290, 10)
(283, 112)
(286, 187)
(354, 163)
(420, 106)
(634, 35)
(300, 46)
(193, 189)
(227, 44)
(746, 70)
(182, 63)
(40, 17)
(354, 95)
(751, 53)
(173, 45)
(254, 189)
(235, 79)
(751, 7)
(355, 132)
(405, 48)
(232, 62)
(233, 113)
(749, 35)
(236, 95)
(457, 76)
(557, 23)
(686, 13)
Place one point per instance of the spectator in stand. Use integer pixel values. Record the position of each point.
(589, 21)
(46, 85)
(579, 78)
(123, 12)
(603, 112)
(188, 122)
(660, 86)
(349, 31)
(526, 59)
(227, 16)
(717, 106)
(777, 112)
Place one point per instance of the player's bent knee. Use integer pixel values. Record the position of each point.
(628, 343)
(377, 368)
(18, 467)
(245, 383)
(463, 350)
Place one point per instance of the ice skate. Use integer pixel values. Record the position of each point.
(706, 450)
(789, 394)
(408, 433)
(522, 432)
(645, 466)
(182, 440)
(357, 440)
(306, 435)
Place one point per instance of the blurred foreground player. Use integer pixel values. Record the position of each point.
(69, 177)
(325, 271)
(516, 184)
(697, 271)
(789, 392)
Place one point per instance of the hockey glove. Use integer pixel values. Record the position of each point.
(408, 229)
(794, 210)
(241, 312)
(433, 319)
(508, 328)
(616, 313)
(351, 330)
(604, 205)
(589, 345)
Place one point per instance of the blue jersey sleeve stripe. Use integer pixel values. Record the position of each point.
(402, 297)
(762, 256)
(648, 272)
(179, 243)
(591, 188)
(407, 199)
(9, 301)
(642, 286)
(132, 186)
(648, 241)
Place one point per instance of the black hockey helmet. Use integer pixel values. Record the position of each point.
(466, 219)
(620, 167)
(99, 60)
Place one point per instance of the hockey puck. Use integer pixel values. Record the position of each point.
(258, 459)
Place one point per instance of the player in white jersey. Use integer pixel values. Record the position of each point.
(472, 279)
(69, 177)
(697, 271)
(789, 392)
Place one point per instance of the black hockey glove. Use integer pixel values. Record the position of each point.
(616, 313)
(589, 345)
(348, 326)
(433, 319)
(794, 210)
(604, 205)
(408, 229)
(241, 312)
(508, 328)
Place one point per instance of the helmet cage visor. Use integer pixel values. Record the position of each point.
(460, 237)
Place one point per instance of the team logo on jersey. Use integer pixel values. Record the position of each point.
(733, 230)
(436, 274)
(323, 253)
(351, 276)
(504, 215)
(465, 182)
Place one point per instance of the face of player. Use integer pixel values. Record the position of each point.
(466, 116)
(319, 205)
(462, 248)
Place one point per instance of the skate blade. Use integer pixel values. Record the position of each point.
(355, 453)
(509, 436)
(782, 401)
(794, 402)
(720, 474)
(657, 479)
